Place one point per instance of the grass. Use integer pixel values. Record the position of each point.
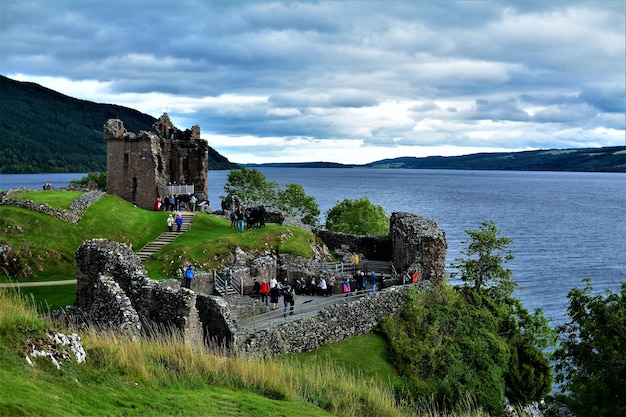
(161, 376)
(209, 242)
(56, 198)
(47, 245)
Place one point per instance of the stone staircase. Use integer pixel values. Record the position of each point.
(167, 237)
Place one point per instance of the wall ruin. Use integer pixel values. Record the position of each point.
(140, 166)
(114, 291)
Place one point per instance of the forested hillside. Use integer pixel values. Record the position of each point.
(608, 159)
(42, 130)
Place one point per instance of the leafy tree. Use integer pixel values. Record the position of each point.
(357, 217)
(99, 178)
(294, 201)
(488, 284)
(448, 349)
(591, 357)
(251, 187)
(483, 266)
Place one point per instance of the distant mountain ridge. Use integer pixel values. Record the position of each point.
(44, 131)
(607, 159)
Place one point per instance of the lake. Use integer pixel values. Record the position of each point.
(565, 226)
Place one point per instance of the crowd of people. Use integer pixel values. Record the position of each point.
(175, 202)
(270, 292)
(247, 218)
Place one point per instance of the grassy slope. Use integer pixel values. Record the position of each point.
(164, 377)
(49, 245)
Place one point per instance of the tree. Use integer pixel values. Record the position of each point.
(294, 201)
(488, 284)
(591, 357)
(357, 217)
(252, 188)
(483, 266)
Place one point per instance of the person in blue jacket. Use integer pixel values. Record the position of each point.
(189, 274)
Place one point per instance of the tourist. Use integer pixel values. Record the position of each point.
(166, 204)
(322, 286)
(274, 295)
(288, 299)
(172, 202)
(346, 286)
(233, 219)
(240, 218)
(179, 222)
(381, 280)
(312, 286)
(373, 282)
(363, 280)
(262, 213)
(331, 284)
(406, 278)
(256, 290)
(273, 282)
(157, 205)
(189, 274)
(170, 222)
(415, 277)
(357, 280)
(264, 291)
(192, 202)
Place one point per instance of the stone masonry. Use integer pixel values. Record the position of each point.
(141, 166)
(114, 291)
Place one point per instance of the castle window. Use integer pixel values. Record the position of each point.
(126, 160)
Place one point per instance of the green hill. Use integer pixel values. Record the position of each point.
(44, 131)
(608, 159)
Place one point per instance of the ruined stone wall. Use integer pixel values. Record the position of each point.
(139, 166)
(369, 246)
(113, 290)
(414, 243)
(332, 324)
(418, 244)
(72, 215)
(133, 167)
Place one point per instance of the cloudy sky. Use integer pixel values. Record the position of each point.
(338, 81)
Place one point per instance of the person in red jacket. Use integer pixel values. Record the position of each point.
(264, 291)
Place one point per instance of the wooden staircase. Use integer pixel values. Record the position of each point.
(167, 237)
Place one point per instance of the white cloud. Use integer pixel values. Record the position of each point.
(338, 81)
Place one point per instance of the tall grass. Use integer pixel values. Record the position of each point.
(162, 364)
(17, 312)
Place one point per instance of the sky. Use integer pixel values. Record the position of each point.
(338, 81)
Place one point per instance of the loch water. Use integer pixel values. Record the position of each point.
(565, 226)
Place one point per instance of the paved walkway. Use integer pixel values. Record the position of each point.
(305, 306)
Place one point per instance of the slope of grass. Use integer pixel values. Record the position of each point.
(161, 376)
(48, 245)
(209, 241)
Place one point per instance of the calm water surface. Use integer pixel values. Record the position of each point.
(564, 226)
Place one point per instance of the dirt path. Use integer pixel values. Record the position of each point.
(37, 284)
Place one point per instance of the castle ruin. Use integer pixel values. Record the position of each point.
(149, 165)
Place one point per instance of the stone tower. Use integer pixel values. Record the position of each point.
(149, 165)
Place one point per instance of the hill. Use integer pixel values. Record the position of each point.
(44, 131)
(608, 159)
